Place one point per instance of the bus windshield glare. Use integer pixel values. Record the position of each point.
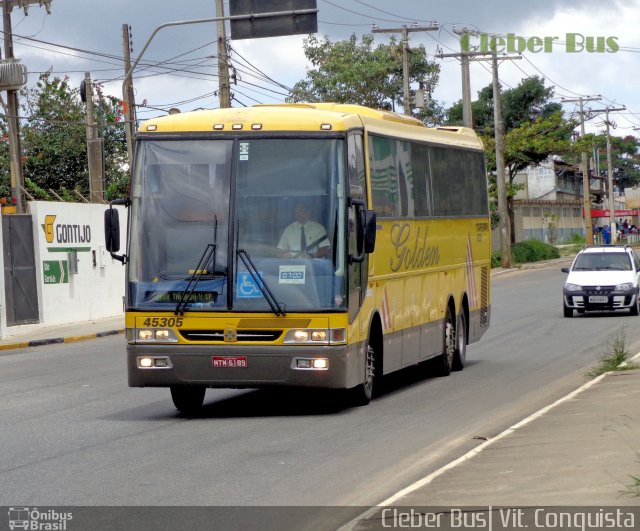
(191, 199)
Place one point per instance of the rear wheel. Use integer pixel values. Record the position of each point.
(188, 399)
(568, 312)
(444, 362)
(460, 352)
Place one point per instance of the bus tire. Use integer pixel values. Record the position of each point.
(188, 399)
(362, 394)
(460, 353)
(444, 361)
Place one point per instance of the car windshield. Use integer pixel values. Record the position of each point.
(602, 262)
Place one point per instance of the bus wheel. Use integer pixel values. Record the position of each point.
(188, 398)
(444, 361)
(361, 394)
(460, 352)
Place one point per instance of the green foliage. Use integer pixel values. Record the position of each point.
(496, 259)
(54, 145)
(527, 251)
(533, 251)
(578, 238)
(36, 191)
(523, 104)
(625, 159)
(361, 73)
(614, 358)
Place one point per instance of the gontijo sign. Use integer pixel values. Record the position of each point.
(65, 233)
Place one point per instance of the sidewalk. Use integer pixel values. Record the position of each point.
(582, 451)
(64, 333)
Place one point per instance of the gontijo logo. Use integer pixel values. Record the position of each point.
(65, 233)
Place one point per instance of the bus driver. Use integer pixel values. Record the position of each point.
(304, 237)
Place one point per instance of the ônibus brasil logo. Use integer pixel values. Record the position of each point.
(37, 520)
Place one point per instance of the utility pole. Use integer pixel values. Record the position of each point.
(223, 59)
(586, 193)
(501, 181)
(503, 208)
(612, 203)
(129, 97)
(94, 147)
(406, 93)
(467, 116)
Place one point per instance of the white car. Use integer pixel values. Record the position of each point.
(602, 277)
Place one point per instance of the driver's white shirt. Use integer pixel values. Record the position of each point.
(313, 231)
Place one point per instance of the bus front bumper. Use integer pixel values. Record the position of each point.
(241, 367)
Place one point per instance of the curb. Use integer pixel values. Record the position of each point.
(56, 340)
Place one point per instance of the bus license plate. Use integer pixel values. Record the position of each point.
(239, 362)
(598, 299)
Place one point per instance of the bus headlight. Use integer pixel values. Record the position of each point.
(151, 335)
(312, 336)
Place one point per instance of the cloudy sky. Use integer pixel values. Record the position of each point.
(86, 35)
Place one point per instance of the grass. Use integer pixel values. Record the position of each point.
(615, 358)
(634, 488)
(570, 250)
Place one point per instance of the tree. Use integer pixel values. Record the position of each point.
(54, 146)
(359, 73)
(625, 159)
(528, 145)
(525, 103)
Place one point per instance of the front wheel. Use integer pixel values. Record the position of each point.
(635, 309)
(188, 399)
(568, 312)
(362, 394)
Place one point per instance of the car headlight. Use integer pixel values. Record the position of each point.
(624, 287)
(572, 287)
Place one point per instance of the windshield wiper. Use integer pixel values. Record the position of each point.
(209, 252)
(261, 283)
(185, 298)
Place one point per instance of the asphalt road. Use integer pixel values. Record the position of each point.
(73, 433)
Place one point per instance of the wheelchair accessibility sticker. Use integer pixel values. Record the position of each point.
(291, 274)
(246, 288)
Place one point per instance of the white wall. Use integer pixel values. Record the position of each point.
(97, 290)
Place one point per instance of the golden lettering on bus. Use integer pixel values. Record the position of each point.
(411, 249)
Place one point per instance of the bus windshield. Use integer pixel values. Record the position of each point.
(280, 203)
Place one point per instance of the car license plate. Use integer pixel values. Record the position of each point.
(239, 362)
(598, 299)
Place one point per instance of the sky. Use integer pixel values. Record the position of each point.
(81, 36)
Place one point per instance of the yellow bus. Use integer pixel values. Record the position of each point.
(226, 289)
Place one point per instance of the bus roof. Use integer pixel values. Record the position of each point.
(310, 117)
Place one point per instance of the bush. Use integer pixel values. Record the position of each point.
(496, 259)
(533, 251)
(527, 251)
(578, 238)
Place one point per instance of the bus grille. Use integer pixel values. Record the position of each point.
(484, 297)
(241, 335)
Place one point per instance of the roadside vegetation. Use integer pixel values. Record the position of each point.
(527, 251)
(615, 358)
